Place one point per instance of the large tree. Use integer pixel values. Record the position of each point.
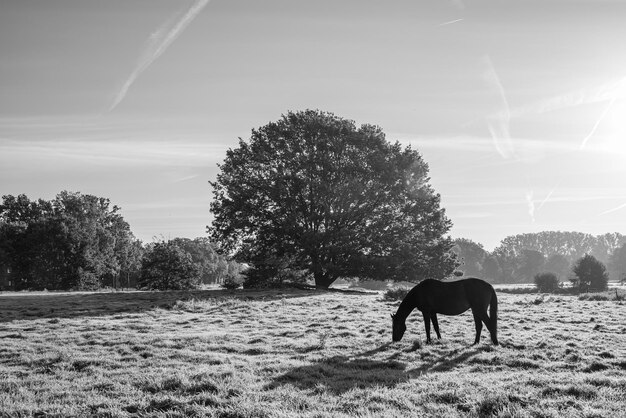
(314, 191)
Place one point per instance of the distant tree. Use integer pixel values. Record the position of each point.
(571, 245)
(130, 257)
(471, 256)
(491, 268)
(166, 266)
(557, 264)
(546, 282)
(589, 274)
(338, 201)
(617, 263)
(605, 245)
(214, 267)
(529, 264)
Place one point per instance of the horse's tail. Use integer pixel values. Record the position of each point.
(493, 316)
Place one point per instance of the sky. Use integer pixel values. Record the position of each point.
(518, 107)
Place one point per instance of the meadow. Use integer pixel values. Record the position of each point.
(288, 353)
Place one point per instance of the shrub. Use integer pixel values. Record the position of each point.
(396, 294)
(272, 274)
(231, 283)
(546, 282)
(370, 285)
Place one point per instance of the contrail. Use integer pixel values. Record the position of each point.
(157, 44)
(595, 126)
(547, 198)
(531, 205)
(614, 209)
(450, 22)
(499, 122)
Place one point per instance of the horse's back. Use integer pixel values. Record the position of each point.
(477, 287)
(447, 298)
(455, 297)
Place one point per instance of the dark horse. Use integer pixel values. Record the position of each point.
(449, 298)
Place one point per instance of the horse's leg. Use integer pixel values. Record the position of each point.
(427, 325)
(492, 327)
(433, 318)
(484, 317)
(479, 326)
(489, 323)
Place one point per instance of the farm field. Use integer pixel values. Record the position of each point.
(304, 353)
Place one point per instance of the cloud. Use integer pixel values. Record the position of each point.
(158, 42)
(608, 91)
(109, 153)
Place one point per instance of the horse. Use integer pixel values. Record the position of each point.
(434, 297)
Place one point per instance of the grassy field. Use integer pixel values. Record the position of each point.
(303, 353)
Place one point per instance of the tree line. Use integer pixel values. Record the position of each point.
(520, 258)
(82, 242)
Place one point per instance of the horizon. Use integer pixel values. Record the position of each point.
(518, 109)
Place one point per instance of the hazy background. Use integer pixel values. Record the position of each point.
(518, 107)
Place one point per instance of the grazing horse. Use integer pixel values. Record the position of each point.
(449, 298)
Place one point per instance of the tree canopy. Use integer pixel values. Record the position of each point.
(166, 266)
(314, 191)
(71, 242)
(589, 274)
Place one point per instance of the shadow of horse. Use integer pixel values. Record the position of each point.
(449, 360)
(339, 374)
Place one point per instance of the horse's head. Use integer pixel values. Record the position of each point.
(398, 328)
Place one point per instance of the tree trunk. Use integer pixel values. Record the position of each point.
(322, 280)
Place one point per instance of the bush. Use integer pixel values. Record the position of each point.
(168, 267)
(396, 294)
(230, 283)
(272, 275)
(546, 282)
(370, 285)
